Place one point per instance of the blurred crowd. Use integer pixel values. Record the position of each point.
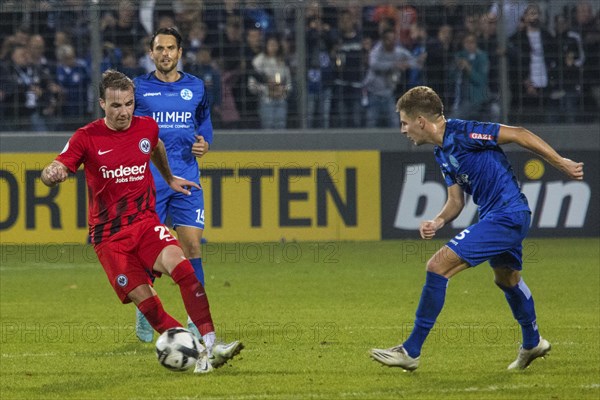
(358, 59)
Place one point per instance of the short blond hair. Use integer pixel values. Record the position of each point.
(421, 100)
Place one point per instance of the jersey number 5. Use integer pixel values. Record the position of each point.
(462, 235)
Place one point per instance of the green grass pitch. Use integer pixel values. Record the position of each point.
(308, 314)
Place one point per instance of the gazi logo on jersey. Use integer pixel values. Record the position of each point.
(421, 198)
(172, 119)
(124, 174)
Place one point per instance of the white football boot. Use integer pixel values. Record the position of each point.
(221, 353)
(395, 357)
(203, 366)
(525, 357)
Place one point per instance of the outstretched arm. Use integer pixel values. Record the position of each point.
(533, 143)
(159, 158)
(53, 173)
(453, 207)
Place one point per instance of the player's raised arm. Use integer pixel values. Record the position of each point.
(53, 173)
(159, 158)
(532, 142)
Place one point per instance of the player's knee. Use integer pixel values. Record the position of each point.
(192, 248)
(434, 265)
(140, 293)
(506, 277)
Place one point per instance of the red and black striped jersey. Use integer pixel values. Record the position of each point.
(117, 169)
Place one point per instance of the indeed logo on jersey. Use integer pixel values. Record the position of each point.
(124, 174)
(172, 119)
(480, 136)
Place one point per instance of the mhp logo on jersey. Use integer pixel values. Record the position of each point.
(186, 94)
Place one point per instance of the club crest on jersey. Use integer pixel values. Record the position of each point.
(480, 136)
(144, 146)
(186, 94)
(122, 280)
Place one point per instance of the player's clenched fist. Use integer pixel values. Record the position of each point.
(54, 173)
(428, 229)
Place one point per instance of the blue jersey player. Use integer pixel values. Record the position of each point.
(472, 162)
(178, 103)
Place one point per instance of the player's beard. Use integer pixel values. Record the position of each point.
(166, 68)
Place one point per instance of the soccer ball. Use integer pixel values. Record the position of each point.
(178, 349)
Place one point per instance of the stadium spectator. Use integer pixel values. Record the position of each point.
(37, 52)
(470, 26)
(418, 49)
(472, 162)
(19, 38)
(205, 69)
(471, 76)
(217, 18)
(72, 18)
(588, 26)
(73, 77)
(27, 95)
(253, 46)
(259, 17)
(193, 41)
(570, 58)
(131, 243)
(272, 82)
(532, 55)
(129, 64)
(448, 13)
(230, 57)
(124, 30)
(187, 13)
(510, 12)
(52, 93)
(488, 42)
(186, 129)
(440, 54)
(350, 71)
(387, 62)
(320, 41)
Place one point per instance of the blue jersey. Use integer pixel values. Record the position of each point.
(471, 157)
(182, 111)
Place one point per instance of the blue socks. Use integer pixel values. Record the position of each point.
(430, 306)
(198, 271)
(521, 303)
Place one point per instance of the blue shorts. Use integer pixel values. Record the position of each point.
(180, 209)
(496, 238)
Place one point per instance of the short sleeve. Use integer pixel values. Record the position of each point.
(73, 154)
(481, 135)
(447, 177)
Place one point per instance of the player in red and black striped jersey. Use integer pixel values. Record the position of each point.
(117, 172)
(131, 243)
